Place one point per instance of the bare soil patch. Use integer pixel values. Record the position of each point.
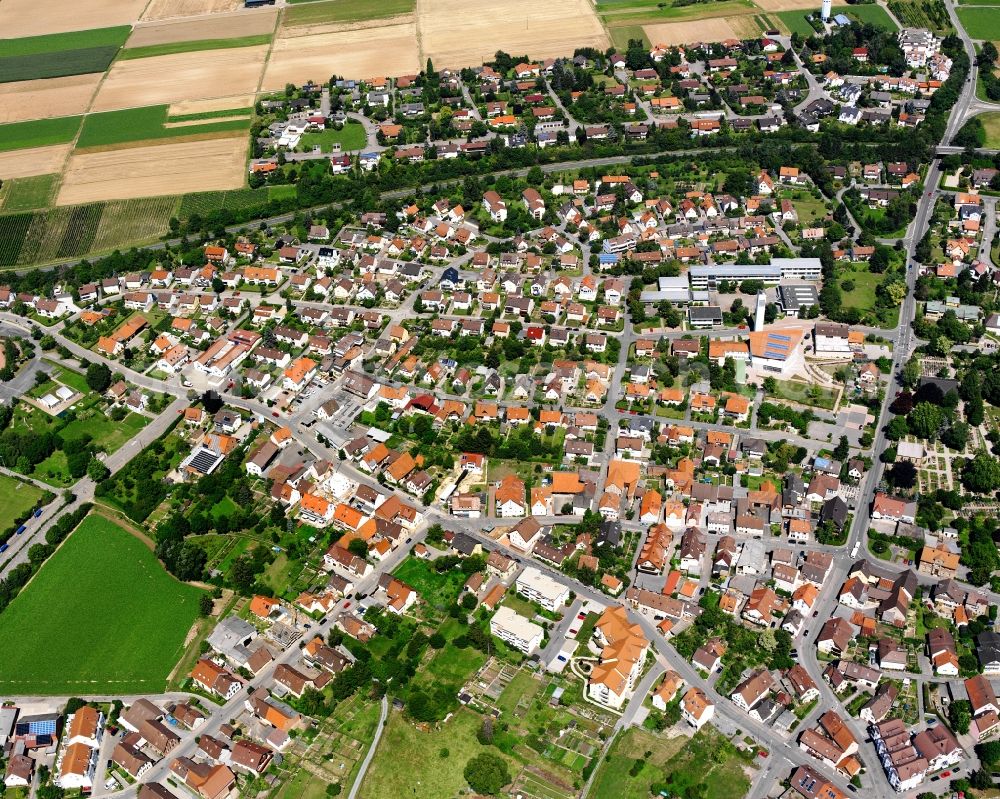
(715, 29)
(55, 97)
(155, 170)
(365, 53)
(466, 36)
(31, 18)
(34, 161)
(181, 76)
(210, 104)
(167, 9)
(224, 26)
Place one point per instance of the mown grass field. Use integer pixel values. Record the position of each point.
(991, 124)
(63, 42)
(60, 54)
(101, 616)
(16, 498)
(350, 137)
(143, 124)
(306, 12)
(226, 112)
(28, 194)
(981, 22)
(38, 133)
(192, 46)
(796, 22)
(408, 761)
(680, 763)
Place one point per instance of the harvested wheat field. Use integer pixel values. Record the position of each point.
(225, 26)
(55, 97)
(181, 76)
(466, 37)
(386, 50)
(154, 171)
(702, 30)
(787, 5)
(35, 161)
(183, 107)
(167, 9)
(31, 18)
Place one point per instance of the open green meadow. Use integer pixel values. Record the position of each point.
(38, 133)
(981, 22)
(872, 14)
(408, 760)
(101, 616)
(350, 137)
(306, 12)
(16, 499)
(28, 194)
(65, 42)
(227, 112)
(796, 22)
(193, 46)
(60, 54)
(674, 765)
(991, 124)
(142, 124)
(437, 589)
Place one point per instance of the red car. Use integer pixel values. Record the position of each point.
(274, 414)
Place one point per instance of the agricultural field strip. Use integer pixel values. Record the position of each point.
(60, 54)
(194, 45)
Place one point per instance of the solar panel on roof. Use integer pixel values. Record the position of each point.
(780, 337)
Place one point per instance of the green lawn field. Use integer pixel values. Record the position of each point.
(706, 759)
(38, 133)
(27, 194)
(101, 616)
(408, 761)
(862, 296)
(141, 124)
(991, 124)
(310, 13)
(228, 112)
(59, 54)
(192, 46)
(981, 23)
(876, 15)
(795, 21)
(63, 42)
(350, 137)
(16, 498)
(438, 589)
